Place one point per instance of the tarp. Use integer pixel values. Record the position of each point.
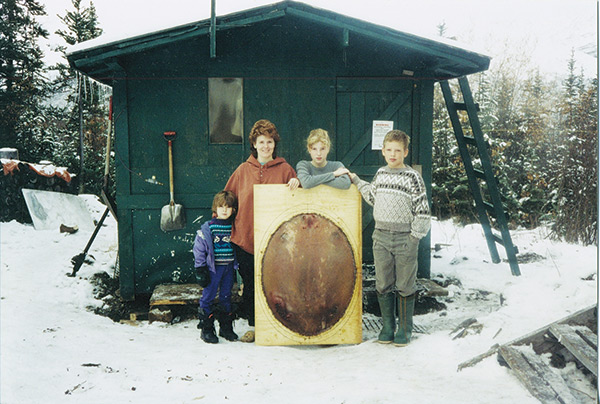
(47, 170)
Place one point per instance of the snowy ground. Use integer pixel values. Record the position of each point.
(55, 350)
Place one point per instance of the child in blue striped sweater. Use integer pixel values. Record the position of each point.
(215, 263)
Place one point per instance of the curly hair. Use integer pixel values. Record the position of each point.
(263, 127)
(316, 136)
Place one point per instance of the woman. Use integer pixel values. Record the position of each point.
(262, 167)
(319, 170)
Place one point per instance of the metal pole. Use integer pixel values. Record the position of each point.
(213, 29)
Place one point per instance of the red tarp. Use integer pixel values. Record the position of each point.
(47, 170)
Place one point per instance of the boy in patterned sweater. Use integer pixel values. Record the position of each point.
(215, 263)
(402, 218)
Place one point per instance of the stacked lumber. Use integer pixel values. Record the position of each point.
(17, 175)
(573, 338)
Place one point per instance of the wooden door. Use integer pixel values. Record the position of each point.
(360, 101)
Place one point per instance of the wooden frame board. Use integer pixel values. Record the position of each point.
(275, 205)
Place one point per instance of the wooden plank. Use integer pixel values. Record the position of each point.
(536, 338)
(554, 380)
(175, 294)
(280, 302)
(534, 377)
(427, 287)
(588, 336)
(576, 345)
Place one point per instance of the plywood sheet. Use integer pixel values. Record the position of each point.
(49, 210)
(308, 265)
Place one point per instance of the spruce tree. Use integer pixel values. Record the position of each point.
(22, 81)
(451, 195)
(575, 184)
(81, 24)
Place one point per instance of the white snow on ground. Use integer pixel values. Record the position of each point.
(55, 350)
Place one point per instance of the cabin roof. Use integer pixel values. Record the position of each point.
(447, 58)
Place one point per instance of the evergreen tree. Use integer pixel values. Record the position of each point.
(576, 186)
(451, 196)
(530, 152)
(83, 96)
(22, 84)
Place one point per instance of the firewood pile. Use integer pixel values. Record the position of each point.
(18, 175)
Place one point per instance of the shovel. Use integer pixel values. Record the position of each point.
(172, 215)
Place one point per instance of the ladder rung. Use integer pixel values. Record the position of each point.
(470, 140)
(479, 174)
(490, 208)
(461, 106)
(498, 239)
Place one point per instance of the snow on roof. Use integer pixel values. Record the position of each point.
(371, 15)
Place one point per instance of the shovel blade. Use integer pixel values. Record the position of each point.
(172, 217)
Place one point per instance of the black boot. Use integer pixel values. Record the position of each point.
(226, 327)
(207, 327)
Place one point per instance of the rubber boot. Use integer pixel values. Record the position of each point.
(207, 327)
(226, 327)
(386, 304)
(406, 309)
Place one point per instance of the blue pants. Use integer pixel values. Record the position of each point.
(222, 282)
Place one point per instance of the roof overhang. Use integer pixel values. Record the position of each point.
(99, 56)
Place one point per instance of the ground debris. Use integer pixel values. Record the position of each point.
(106, 288)
(591, 277)
(68, 229)
(467, 327)
(70, 391)
(527, 258)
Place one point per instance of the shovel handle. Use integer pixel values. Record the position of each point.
(170, 136)
(171, 172)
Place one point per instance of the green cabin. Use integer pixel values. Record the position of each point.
(298, 66)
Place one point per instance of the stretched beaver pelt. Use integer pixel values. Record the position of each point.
(308, 274)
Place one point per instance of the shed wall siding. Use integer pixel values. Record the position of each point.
(297, 84)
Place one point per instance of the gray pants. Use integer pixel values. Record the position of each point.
(395, 256)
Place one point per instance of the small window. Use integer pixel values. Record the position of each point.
(225, 110)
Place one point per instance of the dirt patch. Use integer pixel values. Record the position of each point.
(106, 288)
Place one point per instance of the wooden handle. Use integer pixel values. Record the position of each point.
(171, 172)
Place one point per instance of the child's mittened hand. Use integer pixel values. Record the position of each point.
(203, 276)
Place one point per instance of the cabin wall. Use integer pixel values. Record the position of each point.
(297, 74)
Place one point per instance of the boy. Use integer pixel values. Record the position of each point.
(215, 264)
(402, 218)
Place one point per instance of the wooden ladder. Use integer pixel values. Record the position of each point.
(488, 202)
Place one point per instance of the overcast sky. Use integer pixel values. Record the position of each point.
(545, 29)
